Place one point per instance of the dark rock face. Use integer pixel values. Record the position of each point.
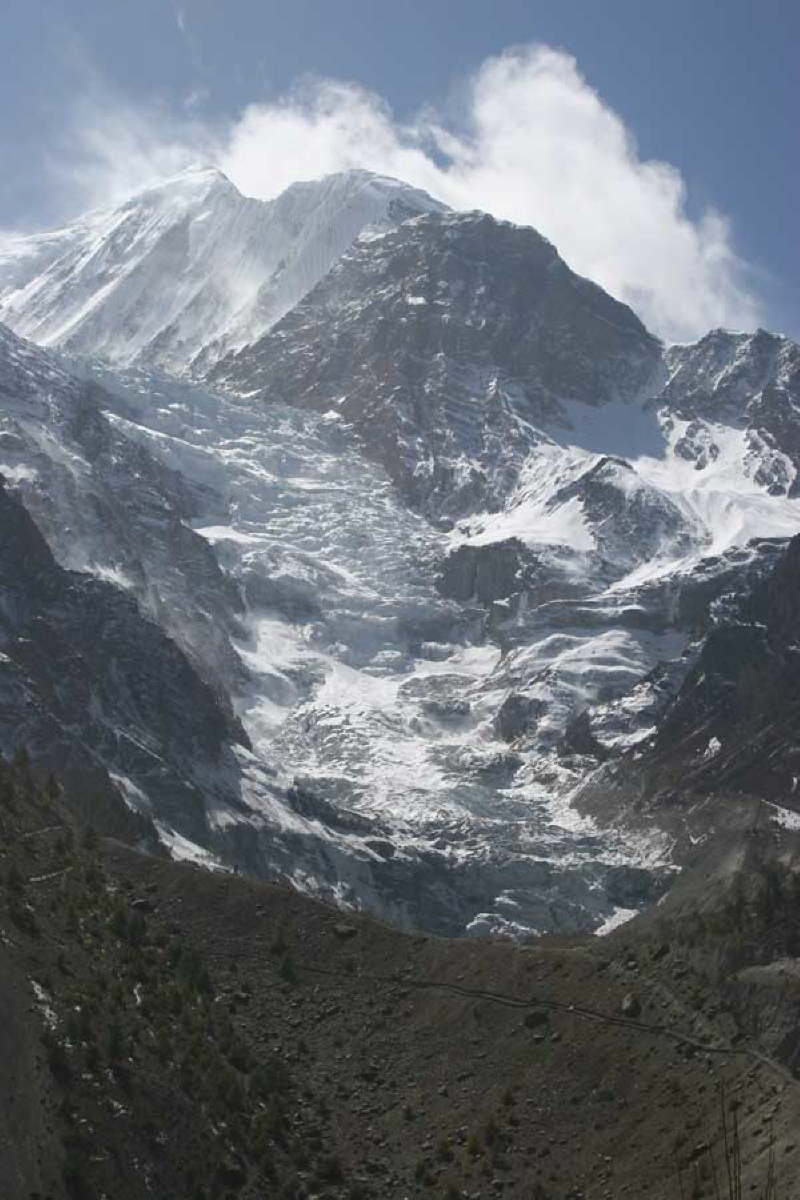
(736, 720)
(483, 573)
(775, 603)
(748, 381)
(517, 716)
(631, 520)
(498, 575)
(104, 501)
(725, 373)
(435, 339)
(88, 683)
(579, 739)
(721, 581)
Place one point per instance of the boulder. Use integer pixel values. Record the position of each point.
(517, 715)
(630, 1006)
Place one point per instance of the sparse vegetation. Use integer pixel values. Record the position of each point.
(186, 1040)
(719, 1163)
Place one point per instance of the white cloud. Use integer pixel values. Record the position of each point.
(195, 98)
(111, 150)
(534, 143)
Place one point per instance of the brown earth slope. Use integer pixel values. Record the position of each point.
(170, 1033)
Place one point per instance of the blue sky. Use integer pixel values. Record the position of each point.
(710, 88)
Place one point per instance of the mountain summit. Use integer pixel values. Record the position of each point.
(437, 338)
(189, 267)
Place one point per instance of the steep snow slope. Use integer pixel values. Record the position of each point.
(189, 266)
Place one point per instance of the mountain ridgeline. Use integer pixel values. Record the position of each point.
(232, 265)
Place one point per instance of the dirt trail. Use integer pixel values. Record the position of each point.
(576, 1010)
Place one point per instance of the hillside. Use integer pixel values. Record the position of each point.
(173, 1032)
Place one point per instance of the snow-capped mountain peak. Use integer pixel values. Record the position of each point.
(188, 265)
(444, 543)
